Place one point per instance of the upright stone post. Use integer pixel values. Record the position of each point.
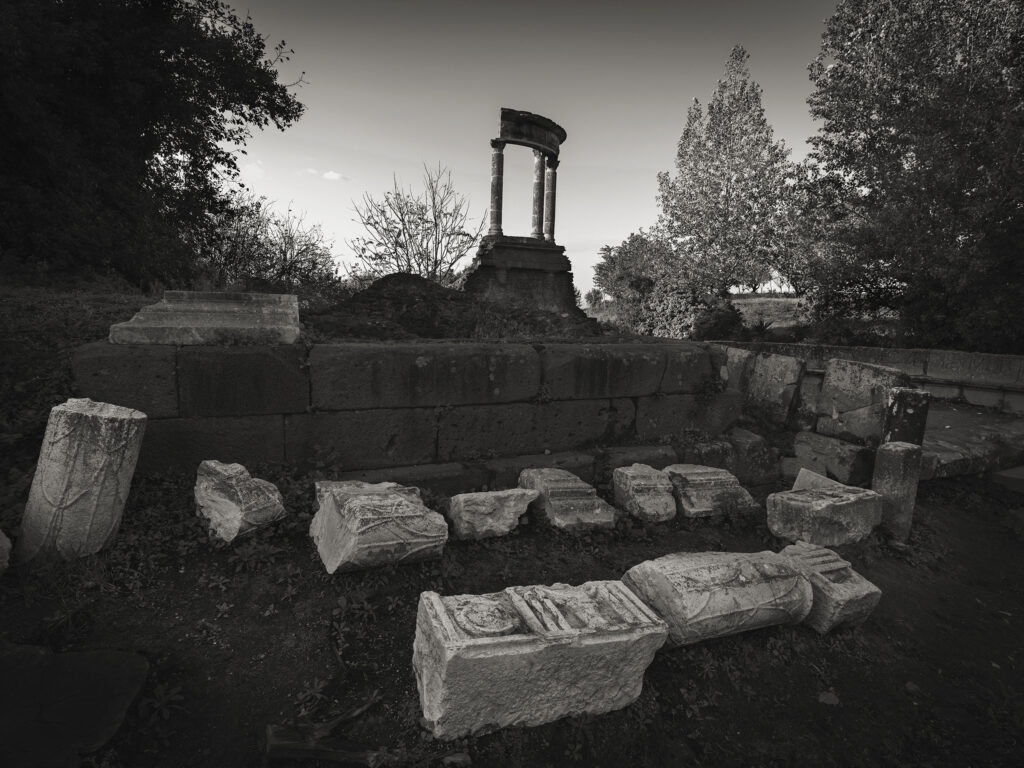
(497, 181)
(549, 199)
(897, 472)
(82, 479)
(537, 220)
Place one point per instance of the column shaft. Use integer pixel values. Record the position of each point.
(549, 200)
(538, 195)
(497, 180)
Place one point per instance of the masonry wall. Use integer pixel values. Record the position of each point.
(374, 405)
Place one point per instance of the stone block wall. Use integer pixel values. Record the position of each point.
(364, 406)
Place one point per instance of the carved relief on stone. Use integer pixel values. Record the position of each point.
(842, 597)
(565, 501)
(705, 491)
(646, 493)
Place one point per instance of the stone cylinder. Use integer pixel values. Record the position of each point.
(497, 181)
(549, 200)
(537, 230)
(82, 479)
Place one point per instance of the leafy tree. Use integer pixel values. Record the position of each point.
(594, 298)
(426, 234)
(922, 110)
(725, 211)
(120, 121)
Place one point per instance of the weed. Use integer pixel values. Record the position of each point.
(164, 702)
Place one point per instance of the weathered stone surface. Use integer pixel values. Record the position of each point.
(233, 502)
(644, 492)
(181, 444)
(863, 426)
(445, 479)
(807, 479)
(242, 380)
(752, 459)
(897, 472)
(504, 473)
(705, 491)
(529, 655)
(703, 595)
(193, 317)
(354, 530)
(849, 386)
(842, 597)
(5, 552)
(657, 456)
(848, 463)
(737, 368)
(338, 492)
(688, 369)
(566, 502)
(361, 439)
(487, 514)
(141, 377)
(710, 453)
(592, 371)
(82, 479)
(771, 386)
(825, 516)
(906, 415)
(805, 415)
(669, 415)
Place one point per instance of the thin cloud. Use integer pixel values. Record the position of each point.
(334, 176)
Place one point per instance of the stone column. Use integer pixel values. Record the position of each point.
(549, 199)
(537, 231)
(497, 180)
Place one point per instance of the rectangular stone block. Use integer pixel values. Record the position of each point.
(566, 502)
(806, 413)
(504, 473)
(669, 415)
(402, 375)
(349, 440)
(644, 492)
(896, 475)
(591, 371)
(848, 463)
(940, 391)
(242, 380)
(737, 367)
(705, 491)
(141, 377)
(863, 426)
(906, 415)
(842, 597)
(196, 317)
(849, 386)
(975, 368)
(181, 444)
(823, 515)
(688, 369)
(752, 459)
(986, 398)
(530, 655)
(771, 388)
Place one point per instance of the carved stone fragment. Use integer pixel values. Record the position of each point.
(488, 514)
(529, 655)
(566, 502)
(842, 597)
(82, 479)
(705, 491)
(233, 502)
(703, 595)
(897, 473)
(358, 531)
(646, 493)
(825, 516)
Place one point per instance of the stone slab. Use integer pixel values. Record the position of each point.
(807, 479)
(142, 377)
(402, 375)
(592, 371)
(233, 502)
(351, 440)
(842, 597)
(897, 473)
(530, 655)
(824, 516)
(976, 368)
(566, 502)
(737, 368)
(846, 462)
(670, 415)
(772, 384)
(849, 386)
(707, 491)
(645, 492)
(242, 380)
(194, 317)
(751, 458)
(488, 514)
(181, 444)
(688, 369)
(704, 595)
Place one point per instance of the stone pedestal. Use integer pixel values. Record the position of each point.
(897, 473)
(523, 270)
(566, 502)
(644, 492)
(842, 597)
(82, 479)
(529, 655)
(824, 515)
(233, 502)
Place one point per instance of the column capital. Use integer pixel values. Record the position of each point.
(552, 162)
(497, 144)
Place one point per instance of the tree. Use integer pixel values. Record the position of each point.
(594, 298)
(922, 140)
(725, 210)
(121, 121)
(428, 234)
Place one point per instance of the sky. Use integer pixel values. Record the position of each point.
(393, 85)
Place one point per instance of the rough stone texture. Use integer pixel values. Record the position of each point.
(703, 595)
(897, 472)
(850, 386)
(140, 377)
(1011, 479)
(181, 444)
(193, 317)
(737, 368)
(504, 473)
(242, 381)
(337, 492)
(688, 369)
(644, 492)
(906, 415)
(656, 456)
(842, 597)
(808, 479)
(353, 530)
(705, 491)
(805, 417)
(82, 479)
(361, 439)
(752, 459)
(488, 514)
(529, 655)
(566, 502)
(825, 516)
(848, 463)
(400, 375)
(772, 383)
(669, 415)
(591, 371)
(445, 479)
(233, 502)
(863, 426)
(5, 552)
(514, 270)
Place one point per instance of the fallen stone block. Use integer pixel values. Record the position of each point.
(848, 463)
(897, 473)
(82, 479)
(566, 502)
(825, 516)
(703, 595)
(530, 655)
(842, 597)
(646, 493)
(487, 514)
(233, 502)
(808, 479)
(5, 552)
(354, 531)
(194, 317)
(705, 491)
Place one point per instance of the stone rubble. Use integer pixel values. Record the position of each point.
(233, 502)
(705, 491)
(842, 597)
(646, 493)
(825, 516)
(897, 473)
(530, 655)
(566, 502)
(82, 478)
(489, 513)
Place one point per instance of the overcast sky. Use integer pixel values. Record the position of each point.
(394, 84)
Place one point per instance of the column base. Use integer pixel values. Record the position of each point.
(523, 270)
